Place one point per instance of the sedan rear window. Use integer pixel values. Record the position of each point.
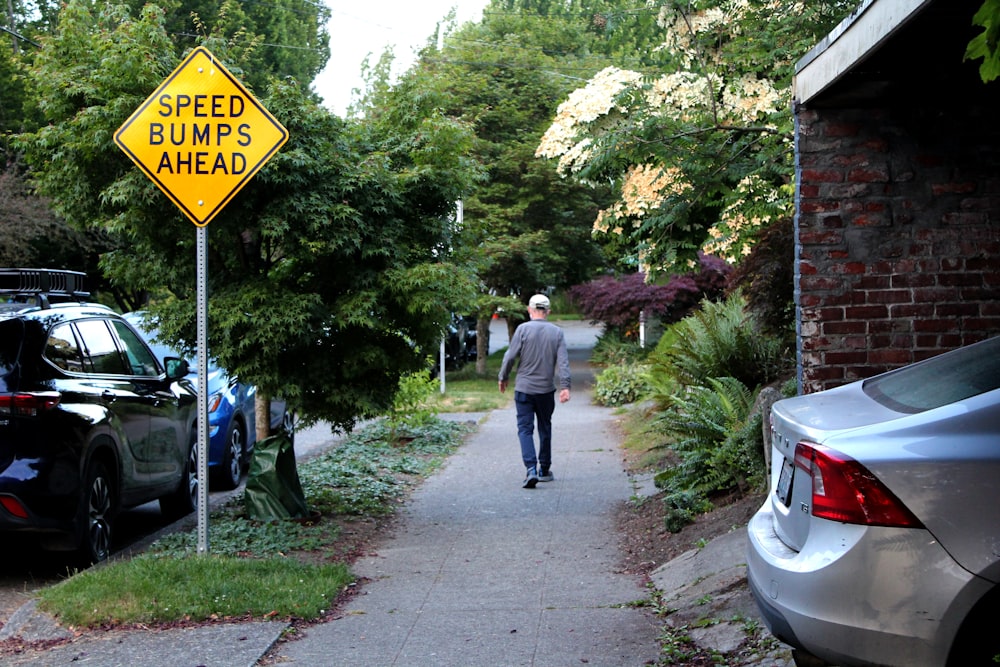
(947, 378)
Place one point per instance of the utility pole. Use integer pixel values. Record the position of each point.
(13, 28)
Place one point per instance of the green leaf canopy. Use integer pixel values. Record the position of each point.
(328, 273)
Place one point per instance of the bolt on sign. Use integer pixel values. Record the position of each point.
(201, 136)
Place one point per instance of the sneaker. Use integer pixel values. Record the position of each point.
(530, 479)
(545, 475)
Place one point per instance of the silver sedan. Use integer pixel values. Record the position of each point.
(879, 542)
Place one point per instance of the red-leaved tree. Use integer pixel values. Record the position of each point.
(617, 302)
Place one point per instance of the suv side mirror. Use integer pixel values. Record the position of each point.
(176, 368)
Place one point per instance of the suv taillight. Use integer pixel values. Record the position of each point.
(14, 506)
(844, 490)
(27, 404)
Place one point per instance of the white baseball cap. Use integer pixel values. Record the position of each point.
(539, 302)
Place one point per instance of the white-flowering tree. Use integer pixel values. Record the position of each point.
(701, 153)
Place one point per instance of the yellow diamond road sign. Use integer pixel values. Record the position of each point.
(201, 136)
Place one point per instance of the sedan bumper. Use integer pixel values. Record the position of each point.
(834, 600)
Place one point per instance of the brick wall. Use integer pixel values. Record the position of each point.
(897, 237)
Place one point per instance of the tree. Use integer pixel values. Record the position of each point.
(292, 41)
(280, 38)
(17, 48)
(32, 236)
(324, 282)
(30, 233)
(621, 303)
(701, 153)
(986, 45)
(11, 111)
(526, 228)
(529, 226)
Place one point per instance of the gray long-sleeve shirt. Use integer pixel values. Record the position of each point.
(541, 347)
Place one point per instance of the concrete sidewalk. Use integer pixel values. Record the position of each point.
(478, 572)
(483, 572)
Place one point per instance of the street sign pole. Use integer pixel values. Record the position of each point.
(202, 334)
(200, 137)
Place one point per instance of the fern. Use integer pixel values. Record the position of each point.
(704, 377)
(715, 436)
(720, 340)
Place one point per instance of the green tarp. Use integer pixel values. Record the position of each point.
(273, 490)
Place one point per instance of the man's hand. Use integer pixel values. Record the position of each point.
(563, 395)
(503, 386)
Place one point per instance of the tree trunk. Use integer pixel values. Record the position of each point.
(262, 415)
(482, 344)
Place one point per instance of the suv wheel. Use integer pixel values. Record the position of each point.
(99, 504)
(184, 499)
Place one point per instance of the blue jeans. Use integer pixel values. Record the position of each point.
(529, 408)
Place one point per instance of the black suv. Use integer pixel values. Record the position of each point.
(90, 421)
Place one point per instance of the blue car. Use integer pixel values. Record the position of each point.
(232, 429)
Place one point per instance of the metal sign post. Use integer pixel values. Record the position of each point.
(202, 334)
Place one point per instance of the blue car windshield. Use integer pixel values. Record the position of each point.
(947, 378)
(162, 352)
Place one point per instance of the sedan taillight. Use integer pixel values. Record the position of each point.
(844, 490)
(27, 404)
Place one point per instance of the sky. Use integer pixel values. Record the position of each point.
(369, 26)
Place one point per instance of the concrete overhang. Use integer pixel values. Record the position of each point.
(899, 48)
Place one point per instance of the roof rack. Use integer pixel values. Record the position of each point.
(44, 284)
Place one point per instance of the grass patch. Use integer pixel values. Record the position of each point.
(158, 589)
(273, 569)
(467, 391)
(642, 444)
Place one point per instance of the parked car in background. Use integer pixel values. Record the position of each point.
(457, 350)
(232, 431)
(879, 542)
(91, 420)
(471, 338)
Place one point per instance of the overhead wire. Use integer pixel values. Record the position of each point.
(450, 38)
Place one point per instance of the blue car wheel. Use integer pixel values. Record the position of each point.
(229, 473)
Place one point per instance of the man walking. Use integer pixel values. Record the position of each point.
(541, 347)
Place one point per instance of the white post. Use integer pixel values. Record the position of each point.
(642, 328)
(441, 362)
(642, 321)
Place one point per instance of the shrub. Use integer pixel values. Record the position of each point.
(617, 302)
(412, 407)
(766, 277)
(720, 340)
(620, 384)
(614, 348)
(703, 378)
(681, 508)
